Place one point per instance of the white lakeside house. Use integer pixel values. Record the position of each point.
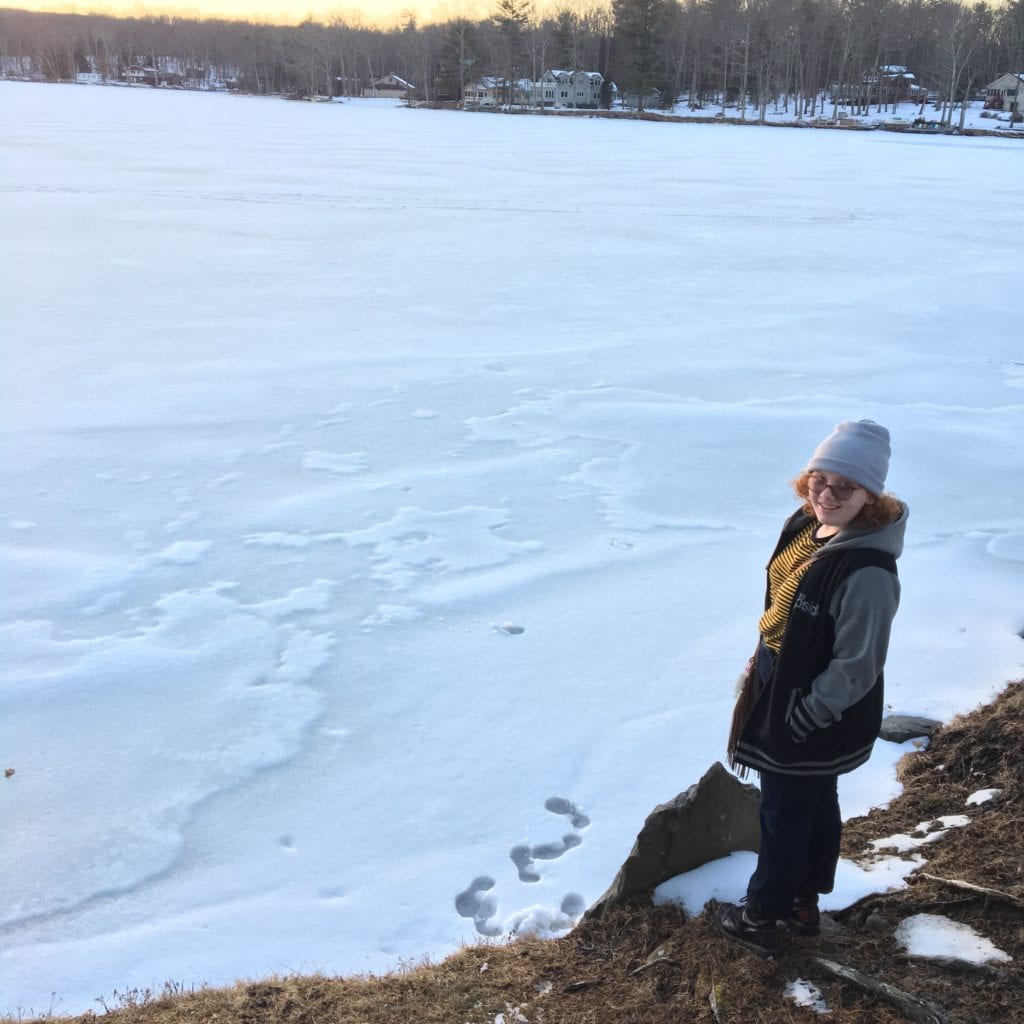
(557, 90)
(1006, 93)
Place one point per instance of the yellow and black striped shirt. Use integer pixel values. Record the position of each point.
(785, 571)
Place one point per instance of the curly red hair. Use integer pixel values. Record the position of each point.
(883, 510)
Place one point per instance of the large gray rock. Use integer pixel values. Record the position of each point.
(900, 728)
(711, 819)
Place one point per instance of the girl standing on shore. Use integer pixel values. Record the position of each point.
(811, 704)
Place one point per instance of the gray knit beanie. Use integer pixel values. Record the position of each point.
(858, 450)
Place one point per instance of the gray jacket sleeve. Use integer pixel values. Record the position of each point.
(863, 609)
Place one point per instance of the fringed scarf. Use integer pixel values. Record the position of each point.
(741, 712)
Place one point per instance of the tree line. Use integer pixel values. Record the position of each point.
(751, 55)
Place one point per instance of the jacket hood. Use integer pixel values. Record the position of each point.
(882, 538)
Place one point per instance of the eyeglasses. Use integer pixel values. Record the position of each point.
(818, 485)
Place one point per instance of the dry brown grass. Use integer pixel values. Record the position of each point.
(591, 974)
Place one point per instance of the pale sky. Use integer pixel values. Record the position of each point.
(353, 11)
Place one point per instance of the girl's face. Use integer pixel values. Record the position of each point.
(835, 500)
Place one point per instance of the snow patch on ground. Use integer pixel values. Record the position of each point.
(926, 832)
(806, 994)
(982, 796)
(938, 936)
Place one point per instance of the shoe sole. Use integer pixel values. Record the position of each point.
(758, 950)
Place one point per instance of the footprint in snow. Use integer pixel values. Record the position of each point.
(559, 805)
(332, 893)
(524, 856)
(481, 909)
(573, 905)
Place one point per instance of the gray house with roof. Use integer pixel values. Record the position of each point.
(1006, 93)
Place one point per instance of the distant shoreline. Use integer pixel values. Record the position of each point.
(820, 122)
(840, 124)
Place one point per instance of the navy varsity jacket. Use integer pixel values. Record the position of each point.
(820, 712)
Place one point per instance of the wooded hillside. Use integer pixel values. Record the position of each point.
(746, 53)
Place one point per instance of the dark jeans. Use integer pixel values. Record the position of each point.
(800, 832)
(801, 828)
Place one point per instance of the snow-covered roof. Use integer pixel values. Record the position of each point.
(1018, 75)
(891, 71)
(392, 77)
(558, 74)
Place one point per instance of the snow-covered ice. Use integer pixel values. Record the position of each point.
(304, 404)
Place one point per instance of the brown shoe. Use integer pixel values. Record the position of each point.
(804, 917)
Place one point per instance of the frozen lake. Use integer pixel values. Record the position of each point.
(302, 404)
